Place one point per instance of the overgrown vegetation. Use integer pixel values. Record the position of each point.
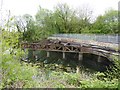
(19, 74)
(64, 19)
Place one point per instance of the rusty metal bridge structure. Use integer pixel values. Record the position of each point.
(100, 45)
(71, 43)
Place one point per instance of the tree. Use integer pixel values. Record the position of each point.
(98, 25)
(111, 20)
(63, 20)
(29, 28)
(59, 21)
(107, 23)
(84, 15)
(44, 21)
(63, 17)
(69, 20)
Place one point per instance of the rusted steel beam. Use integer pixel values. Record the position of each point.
(66, 46)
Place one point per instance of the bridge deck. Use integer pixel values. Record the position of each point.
(66, 45)
(114, 39)
(88, 42)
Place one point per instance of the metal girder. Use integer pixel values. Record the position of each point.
(62, 46)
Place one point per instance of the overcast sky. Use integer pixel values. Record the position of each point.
(20, 7)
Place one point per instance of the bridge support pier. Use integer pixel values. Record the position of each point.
(63, 55)
(80, 58)
(48, 54)
(99, 58)
(33, 54)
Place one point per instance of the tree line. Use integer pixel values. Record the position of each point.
(64, 19)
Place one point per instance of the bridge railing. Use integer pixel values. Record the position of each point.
(100, 38)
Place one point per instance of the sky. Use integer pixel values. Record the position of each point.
(21, 7)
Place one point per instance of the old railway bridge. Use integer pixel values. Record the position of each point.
(100, 45)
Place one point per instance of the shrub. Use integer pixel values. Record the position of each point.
(99, 84)
(115, 69)
(16, 74)
(73, 79)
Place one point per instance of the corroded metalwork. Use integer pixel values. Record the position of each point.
(66, 46)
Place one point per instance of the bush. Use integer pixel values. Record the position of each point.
(73, 79)
(16, 74)
(115, 69)
(99, 84)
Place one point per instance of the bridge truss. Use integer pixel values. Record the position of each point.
(70, 46)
